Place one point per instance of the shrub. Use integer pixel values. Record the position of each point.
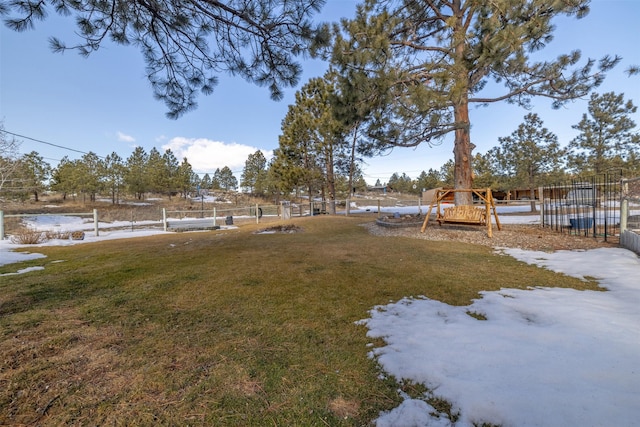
(58, 235)
(28, 236)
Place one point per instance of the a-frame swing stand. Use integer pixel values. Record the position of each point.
(464, 214)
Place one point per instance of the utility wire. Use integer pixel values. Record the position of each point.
(371, 174)
(47, 143)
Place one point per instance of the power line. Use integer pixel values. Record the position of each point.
(47, 143)
(371, 174)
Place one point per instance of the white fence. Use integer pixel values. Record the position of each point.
(217, 217)
(93, 214)
(628, 214)
(214, 218)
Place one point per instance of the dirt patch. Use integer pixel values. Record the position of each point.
(399, 221)
(343, 408)
(286, 229)
(531, 237)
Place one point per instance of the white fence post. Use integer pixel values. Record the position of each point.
(257, 214)
(1, 225)
(95, 222)
(624, 208)
(214, 216)
(624, 214)
(164, 219)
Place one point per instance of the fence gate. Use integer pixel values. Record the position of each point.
(630, 215)
(584, 206)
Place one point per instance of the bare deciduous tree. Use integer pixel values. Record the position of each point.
(8, 156)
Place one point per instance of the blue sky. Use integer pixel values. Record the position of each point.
(104, 103)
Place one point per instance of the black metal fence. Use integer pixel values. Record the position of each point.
(584, 206)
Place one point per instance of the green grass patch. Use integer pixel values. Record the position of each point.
(226, 328)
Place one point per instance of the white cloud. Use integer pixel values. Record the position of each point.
(124, 137)
(206, 155)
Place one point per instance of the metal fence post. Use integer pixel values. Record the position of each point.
(542, 207)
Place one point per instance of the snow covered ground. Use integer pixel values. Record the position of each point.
(543, 356)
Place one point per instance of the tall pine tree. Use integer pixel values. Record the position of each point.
(431, 59)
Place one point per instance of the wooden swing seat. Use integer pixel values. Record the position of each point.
(463, 214)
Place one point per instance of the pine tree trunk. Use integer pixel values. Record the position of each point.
(462, 148)
(353, 160)
(331, 182)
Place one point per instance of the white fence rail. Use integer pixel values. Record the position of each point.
(93, 214)
(214, 218)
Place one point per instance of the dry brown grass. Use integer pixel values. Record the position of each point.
(223, 328)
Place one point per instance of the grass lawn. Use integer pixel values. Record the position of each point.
(225, 328)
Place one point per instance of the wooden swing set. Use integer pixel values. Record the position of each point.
(464, 214)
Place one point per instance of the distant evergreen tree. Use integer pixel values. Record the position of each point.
(428, 180)
(156, 172)
(89, 173)
(205, 182)
(215, 180)
(484, 174)
(114, 175)
(171, 182)
(401, 183)
(35, 173)
(226, 179)
(254, 174)
(607, 138)
(136, 178)
(447, 174)
(529, 152)
(184, 178)
(63, 178)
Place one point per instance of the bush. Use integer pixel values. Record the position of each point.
(28, 236)
(59, 235)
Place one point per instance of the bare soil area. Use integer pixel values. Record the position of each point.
(530, 237)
